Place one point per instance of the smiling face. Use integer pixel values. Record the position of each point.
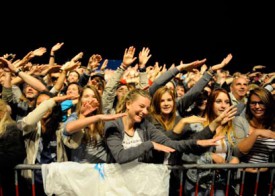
(257, 107)
(221, 103)
(239, 87)
(166, 103)
(137, 109)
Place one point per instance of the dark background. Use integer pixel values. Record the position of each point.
(173, 31)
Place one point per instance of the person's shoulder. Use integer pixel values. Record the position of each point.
(12, 131)
(239, 119)
(113, 124)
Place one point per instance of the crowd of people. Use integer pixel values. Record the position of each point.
(187, 113)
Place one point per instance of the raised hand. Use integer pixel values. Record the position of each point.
(77, 57)
(143, 57)
(89, 107)
(227, 115)
(8, 64)
(104, 65)
(94, 61)
(258, 67)
(224, 62)
(38, 52)
(57, 46)
(128, 57)
(190, 66)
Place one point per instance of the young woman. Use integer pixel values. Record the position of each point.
(132, 137)
(217, 104)
(85, 127)
(69, 106)
(256, 138)
(12, 149)
(42, 135)
(163, 116)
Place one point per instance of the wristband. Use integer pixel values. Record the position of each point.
(142, 69)
(18, 71)
(211, 71)
(52, 56)
(121, 67)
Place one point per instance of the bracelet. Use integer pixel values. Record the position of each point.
(124, 67)
(121, 67)
(142, 69)
(52, 56)
(211, 71)
(18, 71)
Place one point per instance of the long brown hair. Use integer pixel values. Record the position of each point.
(156, 110)
(210, 115)
(91, 134)
(267, 98)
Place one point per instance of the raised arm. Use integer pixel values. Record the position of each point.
(171, 73)
(32, 81)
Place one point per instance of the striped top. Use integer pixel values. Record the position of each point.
(260, 151)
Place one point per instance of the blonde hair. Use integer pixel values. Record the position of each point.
(132, 95)
(5, 116)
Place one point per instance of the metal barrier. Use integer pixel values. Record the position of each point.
(182, 168)
(230, 167)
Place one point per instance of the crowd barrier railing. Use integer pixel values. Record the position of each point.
(182, 168)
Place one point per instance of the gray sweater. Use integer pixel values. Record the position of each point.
(114, 132)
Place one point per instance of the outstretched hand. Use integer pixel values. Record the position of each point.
(107, 117)
(162, 148)
(224, 62)
(209, 142)
(190, 66)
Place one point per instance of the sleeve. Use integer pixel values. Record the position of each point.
(65, 105)
(159, 137)
(109, 92)
(241, 130)
(191, 95)
(28, 122)
(162, 80)
(114, 142)
(71, 140)
(206, 133)
(143, 80)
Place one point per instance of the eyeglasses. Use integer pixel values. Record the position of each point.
(254, 103)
